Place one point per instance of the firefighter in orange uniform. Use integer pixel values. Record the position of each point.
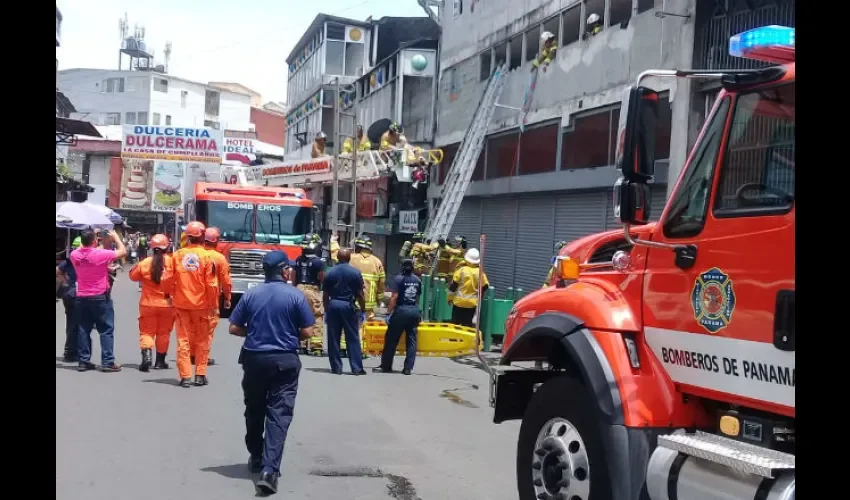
(192, 296)
(221, 283)
(156, 316)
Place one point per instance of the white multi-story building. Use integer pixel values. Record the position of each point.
(107, 97)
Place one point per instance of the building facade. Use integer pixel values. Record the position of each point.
(107, 97)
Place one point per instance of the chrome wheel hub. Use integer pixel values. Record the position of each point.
(560, 469)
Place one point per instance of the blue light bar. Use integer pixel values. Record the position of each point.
(766, 36)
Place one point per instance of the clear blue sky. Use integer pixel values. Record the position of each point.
(243, 41)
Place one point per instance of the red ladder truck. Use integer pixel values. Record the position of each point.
(670, 373)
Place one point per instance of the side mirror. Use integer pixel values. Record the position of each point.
(632, 201)
(636, 134)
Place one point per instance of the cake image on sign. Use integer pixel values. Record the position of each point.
(713, 300)
(168, 191)
(135, 192)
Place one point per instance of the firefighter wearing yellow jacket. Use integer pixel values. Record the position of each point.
(422, 254)
(463, 290)
(363, 143)
(547, 51)
(372, 269)
(451, 256)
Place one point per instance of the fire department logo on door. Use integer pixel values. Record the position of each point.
(713, 300)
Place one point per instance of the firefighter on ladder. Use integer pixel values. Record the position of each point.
(547, 51)
(421, 253)
(451, 257)
(374, 276)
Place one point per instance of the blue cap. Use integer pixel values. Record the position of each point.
(275, 260)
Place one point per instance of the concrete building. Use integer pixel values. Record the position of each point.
(554, 181)
(271, 131)
(108, 97)
(238, 88)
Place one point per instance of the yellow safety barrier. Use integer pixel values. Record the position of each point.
(433, 339)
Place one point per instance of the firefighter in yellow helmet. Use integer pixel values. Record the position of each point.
(561, 244)
(363, 143)
(463, 289)
(549, 44)
(421, 253)
(372, 269)
(391, 138)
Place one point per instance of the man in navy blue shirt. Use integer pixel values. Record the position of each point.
(273, 318)
(343, 286)
(403, 315)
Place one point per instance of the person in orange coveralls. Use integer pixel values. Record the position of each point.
(193, 273)
(156, 316)
(221, 284)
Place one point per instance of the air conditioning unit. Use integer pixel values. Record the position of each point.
(379, 207)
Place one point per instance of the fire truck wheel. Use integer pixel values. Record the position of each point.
(559, 451)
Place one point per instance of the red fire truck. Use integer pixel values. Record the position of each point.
(670, 373)
(253, 221)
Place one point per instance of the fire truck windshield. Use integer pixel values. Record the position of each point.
(235, 220)
(280, 224)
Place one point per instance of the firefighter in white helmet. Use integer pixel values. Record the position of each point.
(549, 44)
(593, 26)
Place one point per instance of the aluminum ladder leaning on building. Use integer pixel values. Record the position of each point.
(460, 172)
(339, 137)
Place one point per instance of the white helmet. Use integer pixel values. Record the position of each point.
(593, 18)
(472, 256)
(546, 36)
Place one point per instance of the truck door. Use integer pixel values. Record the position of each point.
(726, 323)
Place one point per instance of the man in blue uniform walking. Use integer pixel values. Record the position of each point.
(403, 315)
(343, 286)
(273, 318)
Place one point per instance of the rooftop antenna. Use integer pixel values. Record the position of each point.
(167, 53)
(141, 59)
(123, 27)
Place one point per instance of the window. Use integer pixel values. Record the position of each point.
(156, 119)
(235, 224)
(112, 119)
(589, 143)
(168, 119)
(553, 25)
(758, 169)
(113, 85)
(532, 43)
(334, 57)
(538, 149)
(478, 173)
(354, 59)
(502, 155)
(160, 85)
(130, 118)
(501, 54)
(279, 223)
(645, 5)
(486, 59)
(142, 117)
(516, 53)
(689, 203)
(572, 25)
(621, 12)
(212, 124)
(457, 8)
(184, 95)
(212, 102)
(449, 154)
(454, 84)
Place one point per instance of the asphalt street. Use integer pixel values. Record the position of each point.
(133, 435)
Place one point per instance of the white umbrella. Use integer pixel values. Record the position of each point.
(108, 212)
(73, 215)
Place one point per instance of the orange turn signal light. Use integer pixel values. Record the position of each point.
(568, 269)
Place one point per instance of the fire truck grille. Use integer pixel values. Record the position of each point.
(247, 262)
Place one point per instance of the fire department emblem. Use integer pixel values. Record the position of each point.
(191, 262)
(713, 300)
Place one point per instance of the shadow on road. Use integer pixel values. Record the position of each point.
(234, 471)
(320, 370)
(163, 381)
(72, 367)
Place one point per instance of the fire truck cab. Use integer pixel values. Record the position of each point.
(670, 373)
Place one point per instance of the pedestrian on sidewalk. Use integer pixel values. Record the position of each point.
(68, 292)
(343, 285)
(193, 274)
(403, 316)
(156, 316)
(273, 318)
(94, 306)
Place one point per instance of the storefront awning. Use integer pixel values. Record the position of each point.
(66, 129)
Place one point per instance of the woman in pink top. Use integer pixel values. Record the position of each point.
(93, 304)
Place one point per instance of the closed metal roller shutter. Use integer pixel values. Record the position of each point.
(611, 222)
(535, 241)
(468, 221)
(579, 214)
(499, 224)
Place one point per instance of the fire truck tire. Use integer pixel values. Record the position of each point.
(559, 450)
